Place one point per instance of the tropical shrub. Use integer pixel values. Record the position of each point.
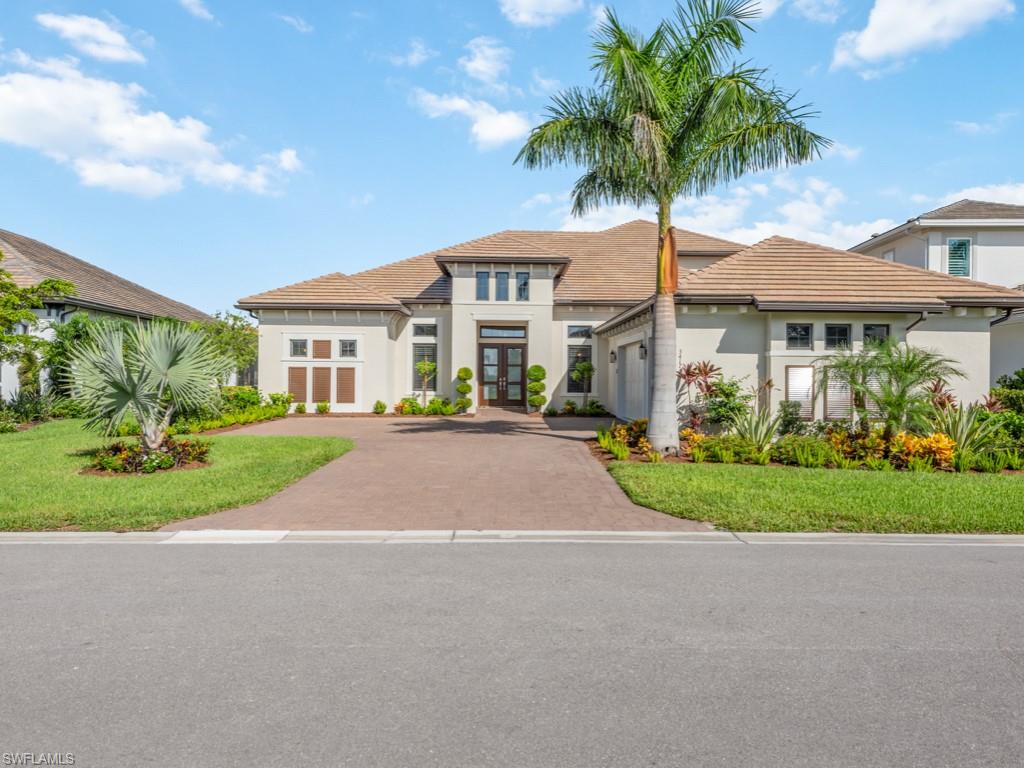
(380, 407)
(756, 426)
(182, 426)
(920, 464)
(992, 462)
(698, 455)
(878, 464)
(426, 369)
(594, 408)
(583, 373)
(280, 398)
(132, 457)
(8, 423)
(1014, 459)
(300, 408)
(739, 448)
(31, 405)
(569, 408)
(813, 455)
(637, 431)
(653, 457)
(535, 376)
(725, 401)
(963, 461)
(618, 450)
(790, 422)
(784, 451)
(149, 372)
(937, 448)
(323, 407)
(463, 403)
(239, 398)
(409, 406)
(439, 406)
(57, 353)
(1009, 425)
(1010, 399)
(551, 411)
(1012, 380)
(970, 427)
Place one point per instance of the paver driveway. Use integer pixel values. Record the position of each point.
(498, 471)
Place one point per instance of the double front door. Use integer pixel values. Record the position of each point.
(503, 374)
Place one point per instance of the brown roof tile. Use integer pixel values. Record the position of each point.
(30, 261)
(327, 291)
(976, 209)
(780, 271)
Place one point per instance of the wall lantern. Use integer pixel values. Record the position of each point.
(643, 351)
(612, 357)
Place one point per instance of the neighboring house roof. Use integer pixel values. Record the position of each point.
(611, 266)
(782, 273)
(960, 213)
(30, 261)
(333, 291)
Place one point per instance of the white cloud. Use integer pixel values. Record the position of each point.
(822, 11)
(1010, 192)
(490, 127)
(845, 151)
(91, 36)
(995, 125)
(808, 211)
(769, 7)
(541, 198)
(100, 129)
(898, 28)
(417, 54)
(538, 13)
(487, 61)
(542, 86)
(361, 201)
(288, 160)
(198, 9)
(598, 13)
(297, 23)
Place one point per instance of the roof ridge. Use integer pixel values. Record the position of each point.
(318, 278)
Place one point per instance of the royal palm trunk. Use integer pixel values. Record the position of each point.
(663, 429)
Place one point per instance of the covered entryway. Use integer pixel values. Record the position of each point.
(632, 382)
(502, 365)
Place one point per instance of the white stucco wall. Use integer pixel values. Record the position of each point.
(1007, 347)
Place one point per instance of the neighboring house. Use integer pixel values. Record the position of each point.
(97, 292)
(970, 238)
(501, 303)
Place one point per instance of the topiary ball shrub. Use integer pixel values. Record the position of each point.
(537, 401)
(463, 404)
(300, 407)
(463, 388)
(323, 407)
(464, 374)
(535, 375)
(380, 407)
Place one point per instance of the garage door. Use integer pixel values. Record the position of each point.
(632, 382)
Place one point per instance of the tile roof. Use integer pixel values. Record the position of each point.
(783, 272)
(30, 261)
(332, 291)
(615, 264)
(976, 209)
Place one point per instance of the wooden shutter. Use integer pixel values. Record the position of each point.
(297, 384)
(800, 388)
(346, 389)
(321, 385)
(321, 349)
(960, 257)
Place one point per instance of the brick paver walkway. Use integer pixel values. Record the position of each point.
(498, 471)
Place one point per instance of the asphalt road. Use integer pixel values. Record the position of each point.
(518, 654)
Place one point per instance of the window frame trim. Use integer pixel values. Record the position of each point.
(813, 371)
(569, 369)
(810, 337)
(849, 336)
(498, 275)
(291, 348)
(864, 332)
(486, 284)
(970, 256)
(355, 348)
(527, 284)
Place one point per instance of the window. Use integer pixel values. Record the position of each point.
(483, 286)
(800, 388)
(577, 354)
(297, 384)
(838, 401)
(424, 330)
(580, 331)
(522, 286)
(837, 337)
(889, 255)
(321, 349)
(798, 336)
(502, 332)
(300, 348)
(423, 352)
(347, 348)
(959, 260)
(501, 286)
(875, 333)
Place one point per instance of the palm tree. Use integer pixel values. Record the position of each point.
(670, 115)
(147, 371)
(857, 371)
(904, 373)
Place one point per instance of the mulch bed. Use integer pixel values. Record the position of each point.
(95, 472)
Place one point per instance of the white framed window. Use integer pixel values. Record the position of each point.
(799, 336)
(347, 348)
(580, 331)
(800, 388)
(958, 256)
(424, 329)
(299, 347)
(889, 255)
(422, 352)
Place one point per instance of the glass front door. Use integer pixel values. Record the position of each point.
(503, 374)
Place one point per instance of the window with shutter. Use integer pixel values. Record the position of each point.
(577, 354)
(297, 384)
(501, 286)
(321, 349)
(800, 388)
(959, 259)
(321, 385)
(423, 352)
(838, 401)
(346, 389)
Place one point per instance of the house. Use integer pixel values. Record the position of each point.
(503, 302)
(970, 238)
(97, 292)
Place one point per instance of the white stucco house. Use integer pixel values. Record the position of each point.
(97, 292)
(970, 238)
(503, 302)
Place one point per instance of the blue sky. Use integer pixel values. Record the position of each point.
(209, 149)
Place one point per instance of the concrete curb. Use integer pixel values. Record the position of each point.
(494, 537)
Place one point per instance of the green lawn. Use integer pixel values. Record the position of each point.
(752, 498)
(41, 488)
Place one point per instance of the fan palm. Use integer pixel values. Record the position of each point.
(904, 373)
(670, 115)
(149, 372)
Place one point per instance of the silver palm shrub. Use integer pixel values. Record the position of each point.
(149, 372)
